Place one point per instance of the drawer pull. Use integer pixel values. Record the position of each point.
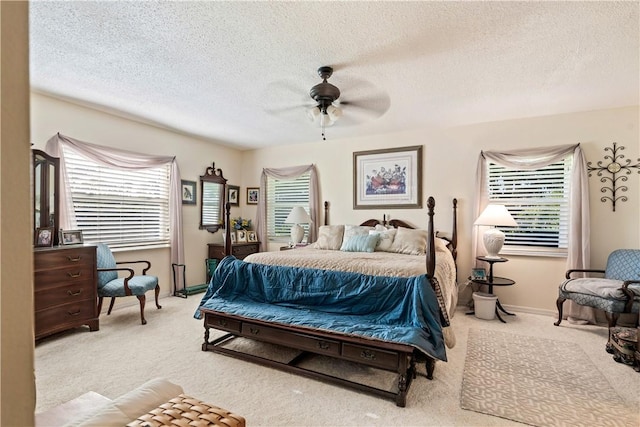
(323, 345)
(76, 259)
(75, 294)
(75, 275)
(254, 331)
(368, 354)
(73, 314)
(222, 322)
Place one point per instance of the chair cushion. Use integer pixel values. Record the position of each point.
(139, 285)
(105, 259)
(603, 288)
(599, 293)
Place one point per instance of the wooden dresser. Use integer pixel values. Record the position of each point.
(238, 250)
(65, 285)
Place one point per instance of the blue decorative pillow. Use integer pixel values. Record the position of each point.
(362, 243)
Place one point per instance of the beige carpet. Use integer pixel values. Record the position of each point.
(539, 381)
(124, 354)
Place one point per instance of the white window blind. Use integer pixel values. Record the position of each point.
(539, 202)
(282, 196)
(121, 208)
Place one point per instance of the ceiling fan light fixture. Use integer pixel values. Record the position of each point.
(313, 113)
(334, 112)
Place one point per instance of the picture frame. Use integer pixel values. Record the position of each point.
(44, 237)
(233, 238)
(233, 195)
(241, 236)
(252, 236)
(188, 190)
(71, 237)
(478, 274)
(253, 195)
(388, 178)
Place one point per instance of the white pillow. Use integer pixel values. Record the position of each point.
(409, 241)
(386, 236)
(351, 231)
(329, 237)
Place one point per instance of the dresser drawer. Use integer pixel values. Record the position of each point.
(47, 259)
(70, 293)
(59, 316)
(370, 356)
(242, 251)
(298, 341)
(63, 276)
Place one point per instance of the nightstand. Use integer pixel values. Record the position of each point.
(492, 281)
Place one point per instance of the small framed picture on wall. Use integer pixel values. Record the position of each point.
(188, 192)
(253, 194)
(233, 195)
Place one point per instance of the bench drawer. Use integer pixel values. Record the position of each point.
(299, 341)
(222, 323)
(370, 356)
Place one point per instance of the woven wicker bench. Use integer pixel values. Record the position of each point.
(183, 411)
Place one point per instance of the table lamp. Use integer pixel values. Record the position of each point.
(296, 217)
(493, 239)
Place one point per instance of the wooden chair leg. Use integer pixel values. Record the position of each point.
(612, 320)
(157, 294)
(559, 303)
(142, 300)
(100, 305)
(113, 300)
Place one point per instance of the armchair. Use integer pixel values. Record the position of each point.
(617, 292)
(110, 285)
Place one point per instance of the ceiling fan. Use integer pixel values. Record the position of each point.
(361, 101)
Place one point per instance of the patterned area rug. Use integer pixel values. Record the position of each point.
(540, 382)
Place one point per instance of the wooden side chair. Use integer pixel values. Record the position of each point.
(616, 291)
(110, 285)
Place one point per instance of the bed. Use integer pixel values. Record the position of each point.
(325, 300)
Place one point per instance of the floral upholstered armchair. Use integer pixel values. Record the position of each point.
(617, 292)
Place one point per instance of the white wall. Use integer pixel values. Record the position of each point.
(449, 168)
(49, 116)
(17, 385)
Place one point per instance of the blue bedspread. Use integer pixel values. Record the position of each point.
(397, 309)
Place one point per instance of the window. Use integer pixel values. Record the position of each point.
(282, 196)
(121, 208)
(538, 200)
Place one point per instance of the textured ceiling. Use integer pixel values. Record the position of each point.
(239, 73)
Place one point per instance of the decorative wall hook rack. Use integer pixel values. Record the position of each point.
(619, 169)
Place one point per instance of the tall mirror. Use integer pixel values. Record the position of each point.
(46, 187)
(212, 199)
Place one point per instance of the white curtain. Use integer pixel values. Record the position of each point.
(291, 172)
(579, 249)
(120, 159)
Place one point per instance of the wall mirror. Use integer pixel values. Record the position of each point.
(212, 199)
(46, 188)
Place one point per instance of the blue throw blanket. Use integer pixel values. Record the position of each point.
(397, 309)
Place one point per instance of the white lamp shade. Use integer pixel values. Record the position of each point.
(297, 216)
(496, 215)
(493, 239)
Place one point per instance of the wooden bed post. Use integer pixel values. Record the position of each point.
(227, 229)
(431, 247)
(454, 233)
(326, 213)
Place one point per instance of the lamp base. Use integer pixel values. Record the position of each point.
(493, 240)
(297, 233)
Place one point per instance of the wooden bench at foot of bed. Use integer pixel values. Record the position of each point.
(379, 354)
